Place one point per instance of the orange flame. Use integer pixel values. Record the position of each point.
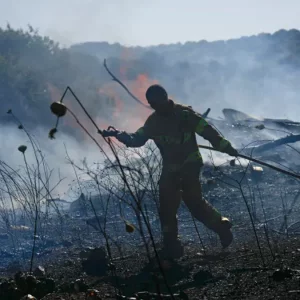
(118, 108)
(113, 94)
(140, 86)
(133, 118)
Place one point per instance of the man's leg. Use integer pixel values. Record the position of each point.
(169, 198)
(200, 208)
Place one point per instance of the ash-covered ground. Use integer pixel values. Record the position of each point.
(247, 270)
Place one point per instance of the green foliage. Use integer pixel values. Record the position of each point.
(29, 63)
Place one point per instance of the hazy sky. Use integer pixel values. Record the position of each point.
(149, 22)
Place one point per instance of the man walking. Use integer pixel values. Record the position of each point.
(173, 128)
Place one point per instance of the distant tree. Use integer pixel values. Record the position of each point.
(30, 63)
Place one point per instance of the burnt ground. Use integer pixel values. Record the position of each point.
(262, 263)
(238, 273)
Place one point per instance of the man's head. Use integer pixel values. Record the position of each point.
(157, 98)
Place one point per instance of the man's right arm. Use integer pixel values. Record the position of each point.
(133, 140)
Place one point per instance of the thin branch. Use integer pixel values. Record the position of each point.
(114, 78)
(258, 162)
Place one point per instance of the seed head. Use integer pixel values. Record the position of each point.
(129, 228)
(22, 148)
(58, 108)
(52, 133)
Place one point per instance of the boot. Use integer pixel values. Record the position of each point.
(225, 233)
(172, 250)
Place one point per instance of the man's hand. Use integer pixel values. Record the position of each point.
(110, 132)
(121, 136)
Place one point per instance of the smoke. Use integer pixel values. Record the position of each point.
(248, 74)
(54, 152)
(258, 75)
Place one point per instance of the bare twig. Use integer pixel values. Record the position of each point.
(124, 86)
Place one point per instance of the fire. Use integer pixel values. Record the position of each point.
(140, 85)
(130, 114)
(116, 107)
(126, 113)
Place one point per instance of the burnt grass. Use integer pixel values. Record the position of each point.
(235, 274)
(265, 265)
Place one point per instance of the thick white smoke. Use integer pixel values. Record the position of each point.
(55, 155)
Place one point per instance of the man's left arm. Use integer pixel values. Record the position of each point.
(199, 125)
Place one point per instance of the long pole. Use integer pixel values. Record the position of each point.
(258, 162)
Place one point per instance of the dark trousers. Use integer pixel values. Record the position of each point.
(184, 184)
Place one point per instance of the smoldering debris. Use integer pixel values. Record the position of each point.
(274, 140)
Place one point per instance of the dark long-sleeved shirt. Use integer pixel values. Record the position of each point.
(175, 135)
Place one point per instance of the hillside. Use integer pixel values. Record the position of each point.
(254, 74)
(259, 46)
(260, 70)
(35, 71)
